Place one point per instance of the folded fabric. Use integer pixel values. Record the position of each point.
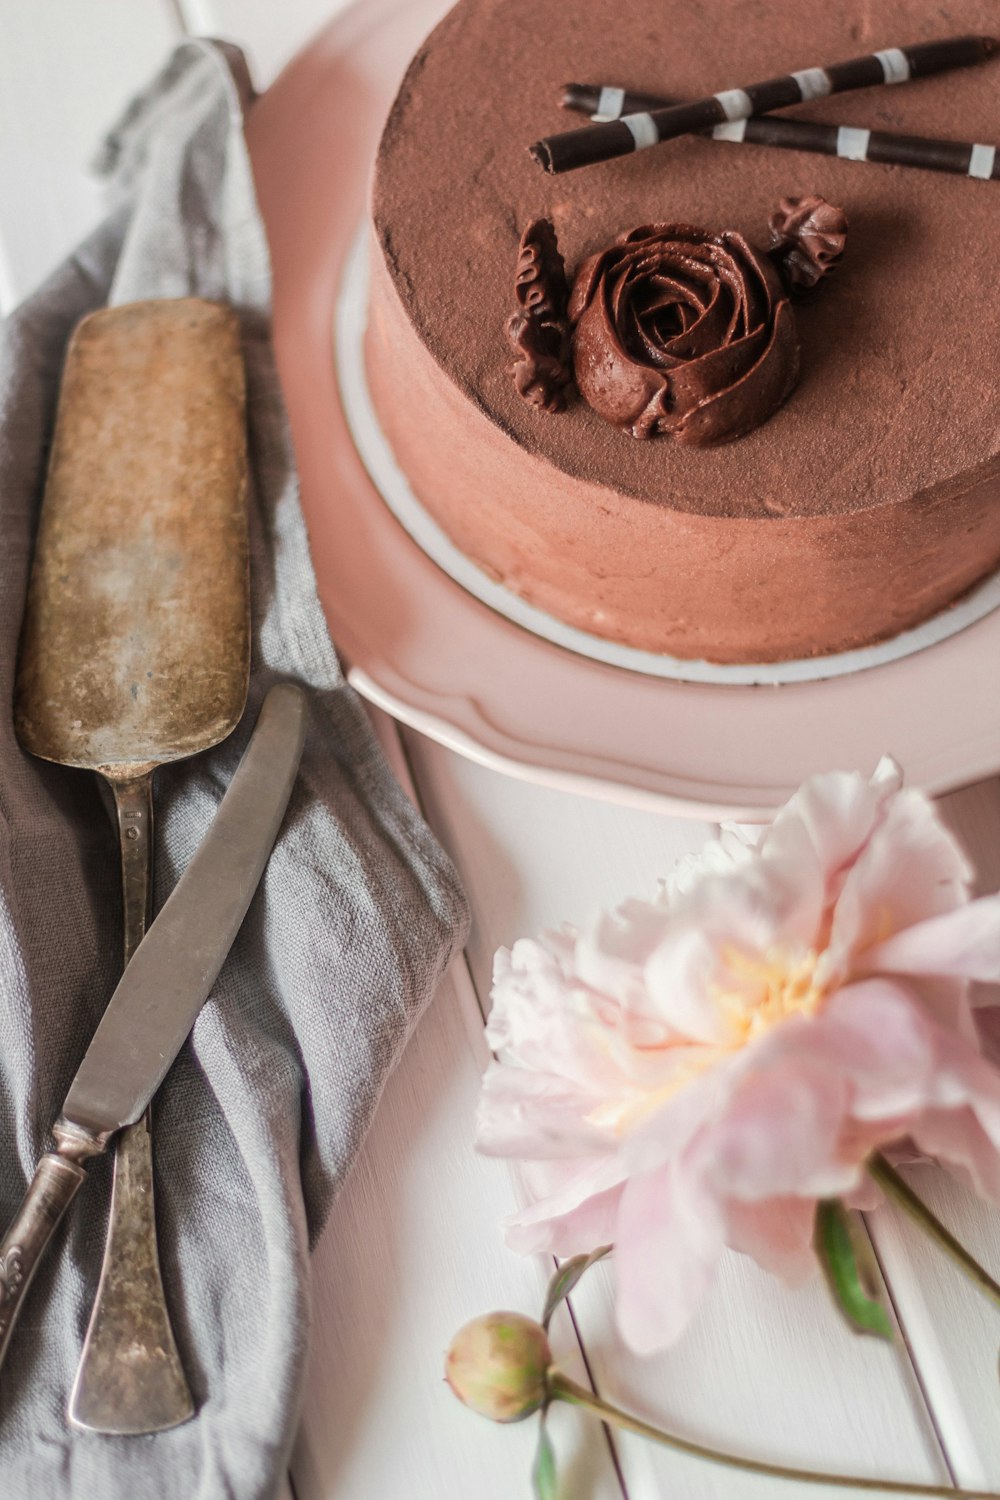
(356, 919)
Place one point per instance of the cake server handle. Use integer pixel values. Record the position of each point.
(130, 1379)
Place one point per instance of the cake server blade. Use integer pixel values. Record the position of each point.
(158, 999)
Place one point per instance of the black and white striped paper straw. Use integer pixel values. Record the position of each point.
(849, 142)
(635, 132)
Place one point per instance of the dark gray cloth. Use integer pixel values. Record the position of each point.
(358, 914)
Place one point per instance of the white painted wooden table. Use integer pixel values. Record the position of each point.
(413, 1247)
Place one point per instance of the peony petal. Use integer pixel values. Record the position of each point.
(964, 942)
(723, 931)
(834, 815)
(668, 1241)
(887, 776)
(963, 1076)
(665, 1132)
(545, 1020)
(910, 869)
(612, 950)
(867, 1196)
(945, 1002)
(734, 846)
(777, 1234)
(957, 1139)
(878, 1037)
(681, 977)
(578, 1213)
(535, 1115)
(987, 1022)
(779, 1133)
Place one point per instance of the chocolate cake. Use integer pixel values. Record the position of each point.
(870, 497)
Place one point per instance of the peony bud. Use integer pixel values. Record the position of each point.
(497, 1364)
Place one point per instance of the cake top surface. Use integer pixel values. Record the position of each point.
(899, 352)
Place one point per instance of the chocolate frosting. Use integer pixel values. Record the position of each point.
(808, 236)
(539, 330)
(871, 499)
(682, 332)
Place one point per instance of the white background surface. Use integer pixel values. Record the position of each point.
(413, 1248)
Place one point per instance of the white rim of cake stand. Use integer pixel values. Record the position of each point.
(351, 322)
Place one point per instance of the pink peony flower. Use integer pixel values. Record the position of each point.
(695, 1072)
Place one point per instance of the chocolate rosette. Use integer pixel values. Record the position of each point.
(808, 238)
(682, 332)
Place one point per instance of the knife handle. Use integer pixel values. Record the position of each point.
(52, 1189)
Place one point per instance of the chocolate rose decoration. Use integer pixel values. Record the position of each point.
(808, 236)
(682, 332)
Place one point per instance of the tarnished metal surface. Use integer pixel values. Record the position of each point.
(165, 986)
(135, 650)
(133, 1367)
(130, 1379)
(136, 638)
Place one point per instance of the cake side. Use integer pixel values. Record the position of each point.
(701, 587)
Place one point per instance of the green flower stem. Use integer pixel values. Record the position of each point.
(561, 1388)
(903, 1195)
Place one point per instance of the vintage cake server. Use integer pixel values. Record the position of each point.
(163, 988)
(135, 651)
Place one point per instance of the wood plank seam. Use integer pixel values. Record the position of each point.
(608, 1430)
(908, 1352)
(474, 1014)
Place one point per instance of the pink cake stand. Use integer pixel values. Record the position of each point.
(438, 659)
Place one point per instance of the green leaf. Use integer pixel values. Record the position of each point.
(543, 1470)
(849, 1267)
(566, 1278)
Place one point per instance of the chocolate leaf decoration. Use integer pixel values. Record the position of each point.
(848, 1265)
(566, 1278)
(539, 329)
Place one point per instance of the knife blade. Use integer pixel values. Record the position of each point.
(168, 980)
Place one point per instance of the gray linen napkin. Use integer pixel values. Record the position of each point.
(356, 919)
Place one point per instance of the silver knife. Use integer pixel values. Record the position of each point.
(154, 1007)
